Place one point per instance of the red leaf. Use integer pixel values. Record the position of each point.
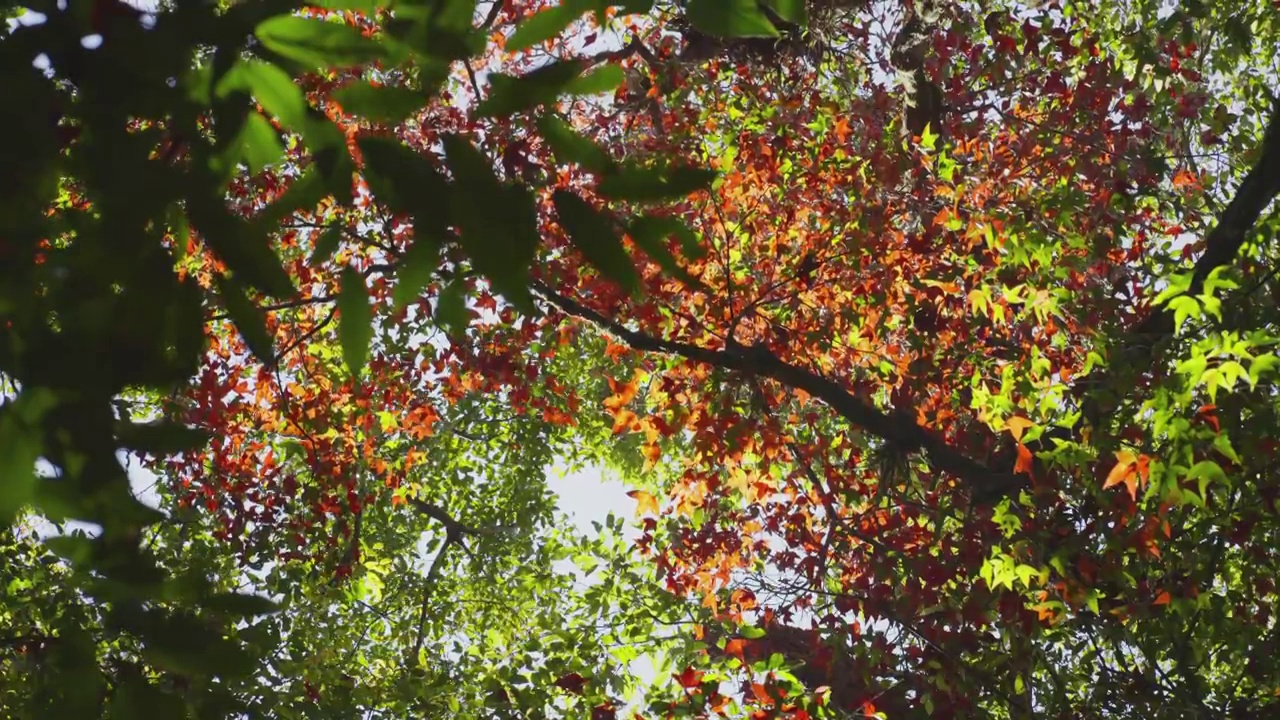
(573, 682)
(688, 678)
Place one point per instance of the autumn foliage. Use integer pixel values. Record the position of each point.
(950, 395)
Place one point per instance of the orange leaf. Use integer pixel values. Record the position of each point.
(623, 393)
(1018, 425)
(1163, 598)
(1025, 460)
(1124, 462)
(1183, 178)
(622, 421)
(644, 502)
(736, 647)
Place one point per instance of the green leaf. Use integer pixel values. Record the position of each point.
(364, 6)
(601, 80)
(571, 147)
(243, 246)
(273, 88)
(21, 445)
(161, 437)
(594, 235)
(451, 308)
(414, 270)
(730, 18)
(259, 143)
(498, 222)
(185, 645)
(249, 319)
(76, 549)
(546, 24)
(405, 180)
(792, 11)
(651, 235)
(240, 605)
(355, 328)
(650, 229)
(380, 103)
(326, 244)
(509, 95)
(1184, 307)
(639, 184)
(317, 44)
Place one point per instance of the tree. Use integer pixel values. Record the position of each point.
(925, 411)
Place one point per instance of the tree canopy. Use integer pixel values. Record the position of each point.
(935, 344)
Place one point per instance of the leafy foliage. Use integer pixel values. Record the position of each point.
(934, 342)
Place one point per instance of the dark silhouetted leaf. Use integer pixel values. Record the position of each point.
(355, 326)
(249, 319)
(595, 236)
(730, 18)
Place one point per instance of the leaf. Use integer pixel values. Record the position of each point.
(572, 683)
(414, 270)
(546, 24)
(594, 235)
(21, 445)
(161, 437)
(649, 230)
(407, 181)
(571, 147)
(451, 308)
(272, 87)
(736, 647)
(1125, 460)
(601, 80)
(186, 645)
(510, 94)
(240, 605)
(317, 44)
(792, 11)
(730, 18)
(653, 184)
(355, 325)
(1018, 425)
(326, 244)
(645, 502)
(380, 103)
(1026, 462)
(498, 222)
(259, 143)
(244, 247)
(248, 318)
(622, 420)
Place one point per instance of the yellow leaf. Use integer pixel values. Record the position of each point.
(1124, 462)
(645, 503)
(1019, 425)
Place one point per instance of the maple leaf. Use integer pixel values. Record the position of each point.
(1122, 472)
(623, 393)
(736, 647)
(1017, 426)
(688, 678)
(622, 420)
(572, 682)
(645, 502)
(1026, 461)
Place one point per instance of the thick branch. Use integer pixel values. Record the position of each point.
(1223, 243)
(897, 429)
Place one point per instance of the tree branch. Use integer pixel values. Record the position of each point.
(897, 428)
(1223, 243)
